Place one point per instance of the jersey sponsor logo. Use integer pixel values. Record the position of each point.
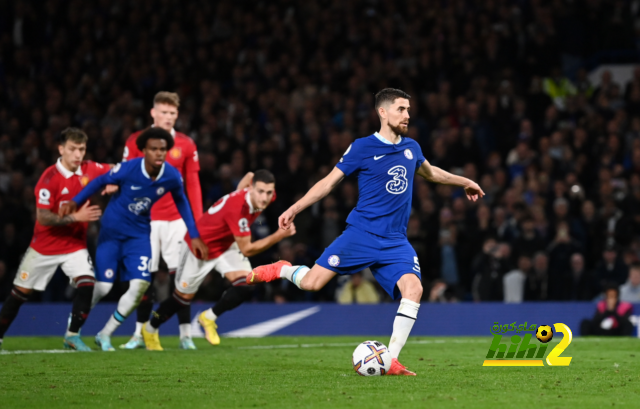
(43, 197)
(136, 187)
(116, 168)
(175, 153)
(65, 191)
(408, 154)
(142, 205)
(84, 181)
(334, 261)
(108, 273)
(399, 183)
(24, 276)
(379, 157)
(160, 191)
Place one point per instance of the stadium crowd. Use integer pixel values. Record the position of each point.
(499, 94)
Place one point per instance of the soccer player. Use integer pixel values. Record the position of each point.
(376, 233)
(167, 227)
(60, 241)
(124, 237)
(225, 228)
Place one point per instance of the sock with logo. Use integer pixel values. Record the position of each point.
(10, 309)
(166, 310)
(127, 303)
(405, 318)
(295, 274)
(81, 303)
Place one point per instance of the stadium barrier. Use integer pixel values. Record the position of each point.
(257, 320)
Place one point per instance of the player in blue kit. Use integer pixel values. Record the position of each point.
(376, 234)
(124, 243)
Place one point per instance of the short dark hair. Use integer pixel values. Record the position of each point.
(154, 133)
(634, 266)
(388, 95)
(263, 176)
(75, 135)
(611, 286)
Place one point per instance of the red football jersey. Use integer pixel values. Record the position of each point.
(228, 217)
(56, 186)
(183, 156)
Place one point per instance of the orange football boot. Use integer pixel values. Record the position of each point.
(398, 369)
(268, 273)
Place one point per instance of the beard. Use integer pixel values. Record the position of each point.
(399, 129)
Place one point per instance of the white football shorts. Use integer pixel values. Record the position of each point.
(166, 238)
(192, 271)
(36, 270)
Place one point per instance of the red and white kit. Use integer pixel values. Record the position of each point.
(228, 217)
(53, 246)
(167, 227)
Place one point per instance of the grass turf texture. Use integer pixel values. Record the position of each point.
(304, 372)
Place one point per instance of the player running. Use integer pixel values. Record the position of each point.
(124, 237)
(167, 227)
(60, 241)
(225, 228)
(376, 234)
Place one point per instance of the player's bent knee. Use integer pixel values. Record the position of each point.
(185, 296)
(25, 291)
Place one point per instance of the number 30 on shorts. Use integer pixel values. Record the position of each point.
(416, 264)
(144, 263)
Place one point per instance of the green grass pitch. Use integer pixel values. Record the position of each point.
(307, 372)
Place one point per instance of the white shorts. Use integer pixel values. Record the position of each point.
(36, 270)
(166, 238)
(192, 271)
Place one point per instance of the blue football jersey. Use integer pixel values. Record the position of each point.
(128, 210)
(385, 182)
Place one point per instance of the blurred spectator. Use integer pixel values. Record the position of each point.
(358, 290)
(536, 286)
(514, 281)
(582, 283)
(611, 317)
(610, 269)
(440, 292)
(630, 291)
(488, 269)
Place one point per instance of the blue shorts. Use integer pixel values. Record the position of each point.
(388, 259)
(127, 256)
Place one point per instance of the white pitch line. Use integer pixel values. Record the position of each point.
(37, 351)
(347, 344)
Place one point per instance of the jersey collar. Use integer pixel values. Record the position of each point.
(247, 198)
(66, 172)
(173, 131)
(144, 171)
(384, 140)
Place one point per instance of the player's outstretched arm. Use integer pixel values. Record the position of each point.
(245, 181)
(437, 175)
(250, 249)
(85, 214)
(315, 194)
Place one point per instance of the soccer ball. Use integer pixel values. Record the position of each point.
(371, 358)
(544, 333)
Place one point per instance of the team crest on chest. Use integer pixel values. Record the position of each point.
(160, 191)
(408, 154)
(175, 153)
(84, 181)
